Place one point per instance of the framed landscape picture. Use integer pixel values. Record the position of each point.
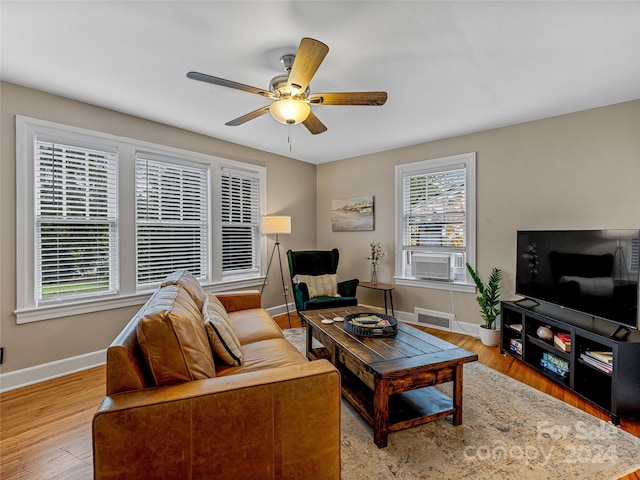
(352, 214)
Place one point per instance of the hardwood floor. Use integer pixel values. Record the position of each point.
(45, 429)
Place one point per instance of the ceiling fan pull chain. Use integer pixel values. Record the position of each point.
(289, 136)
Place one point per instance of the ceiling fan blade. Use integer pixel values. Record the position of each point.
(349, 98)
(203, 77)
(310, 55)
(249, 116)
(314, 125)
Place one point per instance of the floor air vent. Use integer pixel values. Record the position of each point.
(431, 318)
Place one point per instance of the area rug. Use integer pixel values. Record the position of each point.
(509, 430)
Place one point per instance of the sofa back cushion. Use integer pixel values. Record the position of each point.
(172, 338)
(190, 283)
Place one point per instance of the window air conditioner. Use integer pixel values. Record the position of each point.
(431, 265)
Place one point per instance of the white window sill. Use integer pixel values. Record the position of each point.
(50, 312)
(435, 284)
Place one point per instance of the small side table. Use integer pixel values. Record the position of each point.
(385, 288)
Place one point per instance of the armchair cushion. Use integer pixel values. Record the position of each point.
(329, 302)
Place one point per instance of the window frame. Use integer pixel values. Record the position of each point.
(27, 129)
(443, 164)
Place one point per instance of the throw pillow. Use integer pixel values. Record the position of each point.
(213, 303)
(222, 338)
(319, 285)
(190, 283)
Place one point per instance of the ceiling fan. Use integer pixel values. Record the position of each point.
(290, 91)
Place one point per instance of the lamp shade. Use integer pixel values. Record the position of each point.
(276, 224)
(289, 111)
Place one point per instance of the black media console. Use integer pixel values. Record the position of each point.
(601, 369)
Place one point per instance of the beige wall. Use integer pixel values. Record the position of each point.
(41, 342)
(576, 171)
(573, 171)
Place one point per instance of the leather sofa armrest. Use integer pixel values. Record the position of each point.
(250, 425)
(234, 301)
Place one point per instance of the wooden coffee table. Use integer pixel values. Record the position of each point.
(389, 380)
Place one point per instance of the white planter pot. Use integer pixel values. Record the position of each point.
(490, 338)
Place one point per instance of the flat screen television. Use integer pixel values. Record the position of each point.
(594, 272)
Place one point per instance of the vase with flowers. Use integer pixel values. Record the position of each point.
(375, 255)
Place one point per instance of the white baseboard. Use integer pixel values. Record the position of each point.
(281, 310)
(47, 371)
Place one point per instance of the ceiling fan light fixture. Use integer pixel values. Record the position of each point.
(289, 111)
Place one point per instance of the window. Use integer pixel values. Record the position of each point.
(171, 219)
(101, 220)
(435, 215)
(239, 214)
(76, 227)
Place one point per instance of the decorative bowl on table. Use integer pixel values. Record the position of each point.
(369, 324)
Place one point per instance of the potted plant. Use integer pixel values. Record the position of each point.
(489, 300)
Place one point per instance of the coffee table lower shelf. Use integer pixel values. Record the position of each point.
(406, 409)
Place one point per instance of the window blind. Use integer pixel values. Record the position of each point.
(434, 214)
(240, 214)
(171, 219)
(75, 222)
(634, 261)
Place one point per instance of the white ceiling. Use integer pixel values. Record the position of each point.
(450, 68)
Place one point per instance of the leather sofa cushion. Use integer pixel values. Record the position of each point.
(253, 325)
(265, 354)
(190, 283)
(172, 338)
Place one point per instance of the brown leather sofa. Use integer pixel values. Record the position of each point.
(274, 416)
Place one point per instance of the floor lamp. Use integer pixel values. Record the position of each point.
(277, 225)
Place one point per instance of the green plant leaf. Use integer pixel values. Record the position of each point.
(489, 295)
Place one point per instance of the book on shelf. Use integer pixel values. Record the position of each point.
(555, 360)
(554, 368)
(515, 346)
(560, 341)
(606, 357)
(602, 366)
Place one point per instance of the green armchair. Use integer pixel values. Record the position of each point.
(314, 263)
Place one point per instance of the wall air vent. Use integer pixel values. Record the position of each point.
(431, 318)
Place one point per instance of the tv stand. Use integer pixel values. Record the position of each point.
(620, 328)
(614, 386)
